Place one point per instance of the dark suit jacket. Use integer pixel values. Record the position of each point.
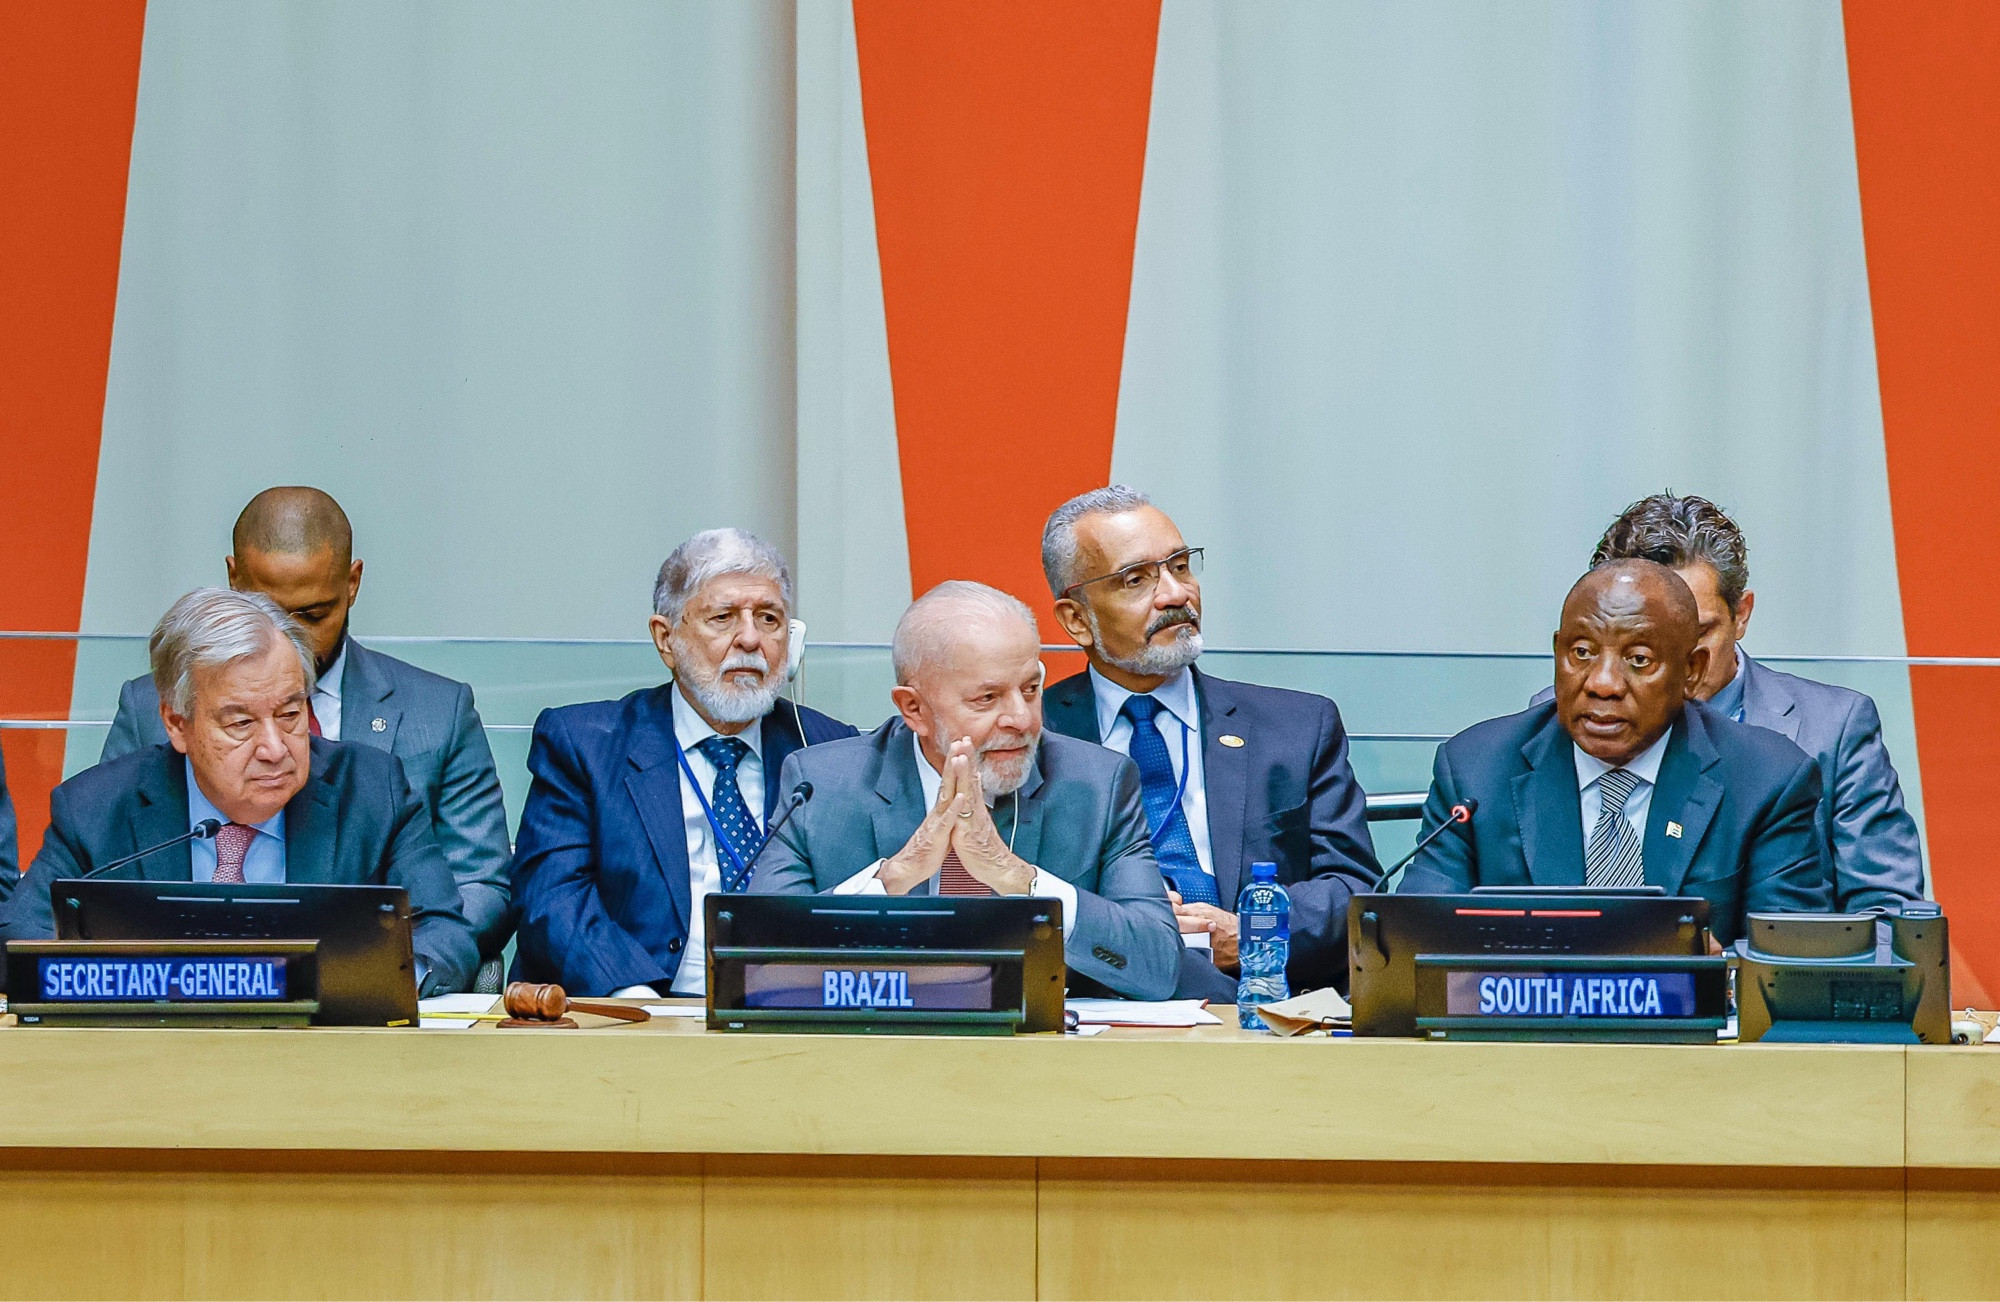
(1865, 833)
(600, 865)
(1079, 819)
(1743, 798)
(429, 723)
(1287, 794)
(10, 848)
(355, 822)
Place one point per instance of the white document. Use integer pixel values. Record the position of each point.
(446, 1005)
(1132, 1012)
(677, 1010)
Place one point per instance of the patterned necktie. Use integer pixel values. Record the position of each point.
(732, 816)
(1173, 844)
(232, 843)
(312, 719)
(1616, 854)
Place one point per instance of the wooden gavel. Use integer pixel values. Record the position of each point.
(529, 1004)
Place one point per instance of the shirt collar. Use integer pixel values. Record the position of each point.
(932, 780)
(1646, 767)
(200, 807)
(1176, 696)
(1729, 701)
(336, 673)
(691, 730)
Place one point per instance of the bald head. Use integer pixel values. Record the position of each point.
(1628, 655)
(295, 546)
(293, 521)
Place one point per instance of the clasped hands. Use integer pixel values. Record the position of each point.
(959, 820)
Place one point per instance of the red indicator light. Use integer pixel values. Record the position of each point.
(1568, 913)
(1491, 913)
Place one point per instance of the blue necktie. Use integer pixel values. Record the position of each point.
(1173, 846)
(732, 816)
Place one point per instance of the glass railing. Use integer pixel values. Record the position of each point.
(1397, 705)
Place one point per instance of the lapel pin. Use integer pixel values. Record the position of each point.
(1230, 740)
(1674, 830)
(381, 725)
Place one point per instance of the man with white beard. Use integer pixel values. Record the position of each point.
(642, 807)
(1233, 773)
(962, 794)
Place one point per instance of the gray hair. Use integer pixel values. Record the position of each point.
(1059, 550)
(926, 627)
(1676, 532)
(709, 555)
(211, 627)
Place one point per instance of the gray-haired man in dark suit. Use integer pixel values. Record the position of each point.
(964, 794)
(295, 546)
(1867, 836)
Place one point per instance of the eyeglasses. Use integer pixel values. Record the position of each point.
(1142, 578)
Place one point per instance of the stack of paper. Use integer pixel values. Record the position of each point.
(1132, 1012)
(435, 1013)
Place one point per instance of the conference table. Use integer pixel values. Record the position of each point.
(665, 1160)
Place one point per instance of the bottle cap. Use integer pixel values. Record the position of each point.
(1263, 871)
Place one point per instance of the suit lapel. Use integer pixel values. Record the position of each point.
(654, 785)
(312, 822)
(1766, 703)
(1027, 837)
(899, 794)
(364, 701)
(160, 815)
(1550, 810)
(1225, 775)
(1070, 708)
(777, 740)
(1685, 795)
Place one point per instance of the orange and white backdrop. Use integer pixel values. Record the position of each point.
(1392, 305)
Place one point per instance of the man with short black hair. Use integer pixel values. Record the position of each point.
(1622, 780)
(295, 546)
(1869, 839)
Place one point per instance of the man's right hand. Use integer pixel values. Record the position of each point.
(921, 857)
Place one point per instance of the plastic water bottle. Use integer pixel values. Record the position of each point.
(1263, 944)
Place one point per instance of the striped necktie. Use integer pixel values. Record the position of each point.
(1616, 856)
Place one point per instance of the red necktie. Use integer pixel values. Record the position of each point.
(231, 844)
(312, 719)
(953, 879)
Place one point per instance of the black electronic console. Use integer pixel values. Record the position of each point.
(1846, 978)
(265, 983)
(874, 964)
(1534, 963)
(365, 967)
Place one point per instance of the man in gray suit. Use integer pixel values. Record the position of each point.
(963, 794)
(236, 674)
(1868, 838)
(296, 547)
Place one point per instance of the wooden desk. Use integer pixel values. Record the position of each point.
(662, 1160)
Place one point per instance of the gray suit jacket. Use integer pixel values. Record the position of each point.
(355, 822)
(1080, 819)
(1864, 831)
(429, 723)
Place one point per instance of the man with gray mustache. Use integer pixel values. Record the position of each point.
(1232, 773)
(643, 807)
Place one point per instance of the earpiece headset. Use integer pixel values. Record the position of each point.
(795, 663)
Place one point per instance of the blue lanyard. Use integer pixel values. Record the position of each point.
(721, 837)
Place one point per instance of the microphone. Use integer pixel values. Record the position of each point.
(800, 794)
(1461, 812)
(206, 828)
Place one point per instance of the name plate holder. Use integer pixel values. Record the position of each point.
(193, 983)
(1607, 998)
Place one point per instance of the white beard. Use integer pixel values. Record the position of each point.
(725, 702)
(1154, 660)
(993, 783)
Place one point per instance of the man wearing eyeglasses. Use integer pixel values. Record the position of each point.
(1232, 773)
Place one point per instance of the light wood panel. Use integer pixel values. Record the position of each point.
(310, 1226)
(1954, 1106)
(1134, 1229)
(817, 1227)
(1133, 1094)
(1954, 1234)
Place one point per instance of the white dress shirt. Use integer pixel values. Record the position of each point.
(704, 865)
(1179, 725)
(1646, 768)
(326, 695)
(1045, 884)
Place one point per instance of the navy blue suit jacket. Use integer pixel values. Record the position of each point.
(1287, 794)
(1742, 798)
(600, 864)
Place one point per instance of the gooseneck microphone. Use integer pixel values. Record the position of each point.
(203, 830)
(1461, 812)
(800, 794)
